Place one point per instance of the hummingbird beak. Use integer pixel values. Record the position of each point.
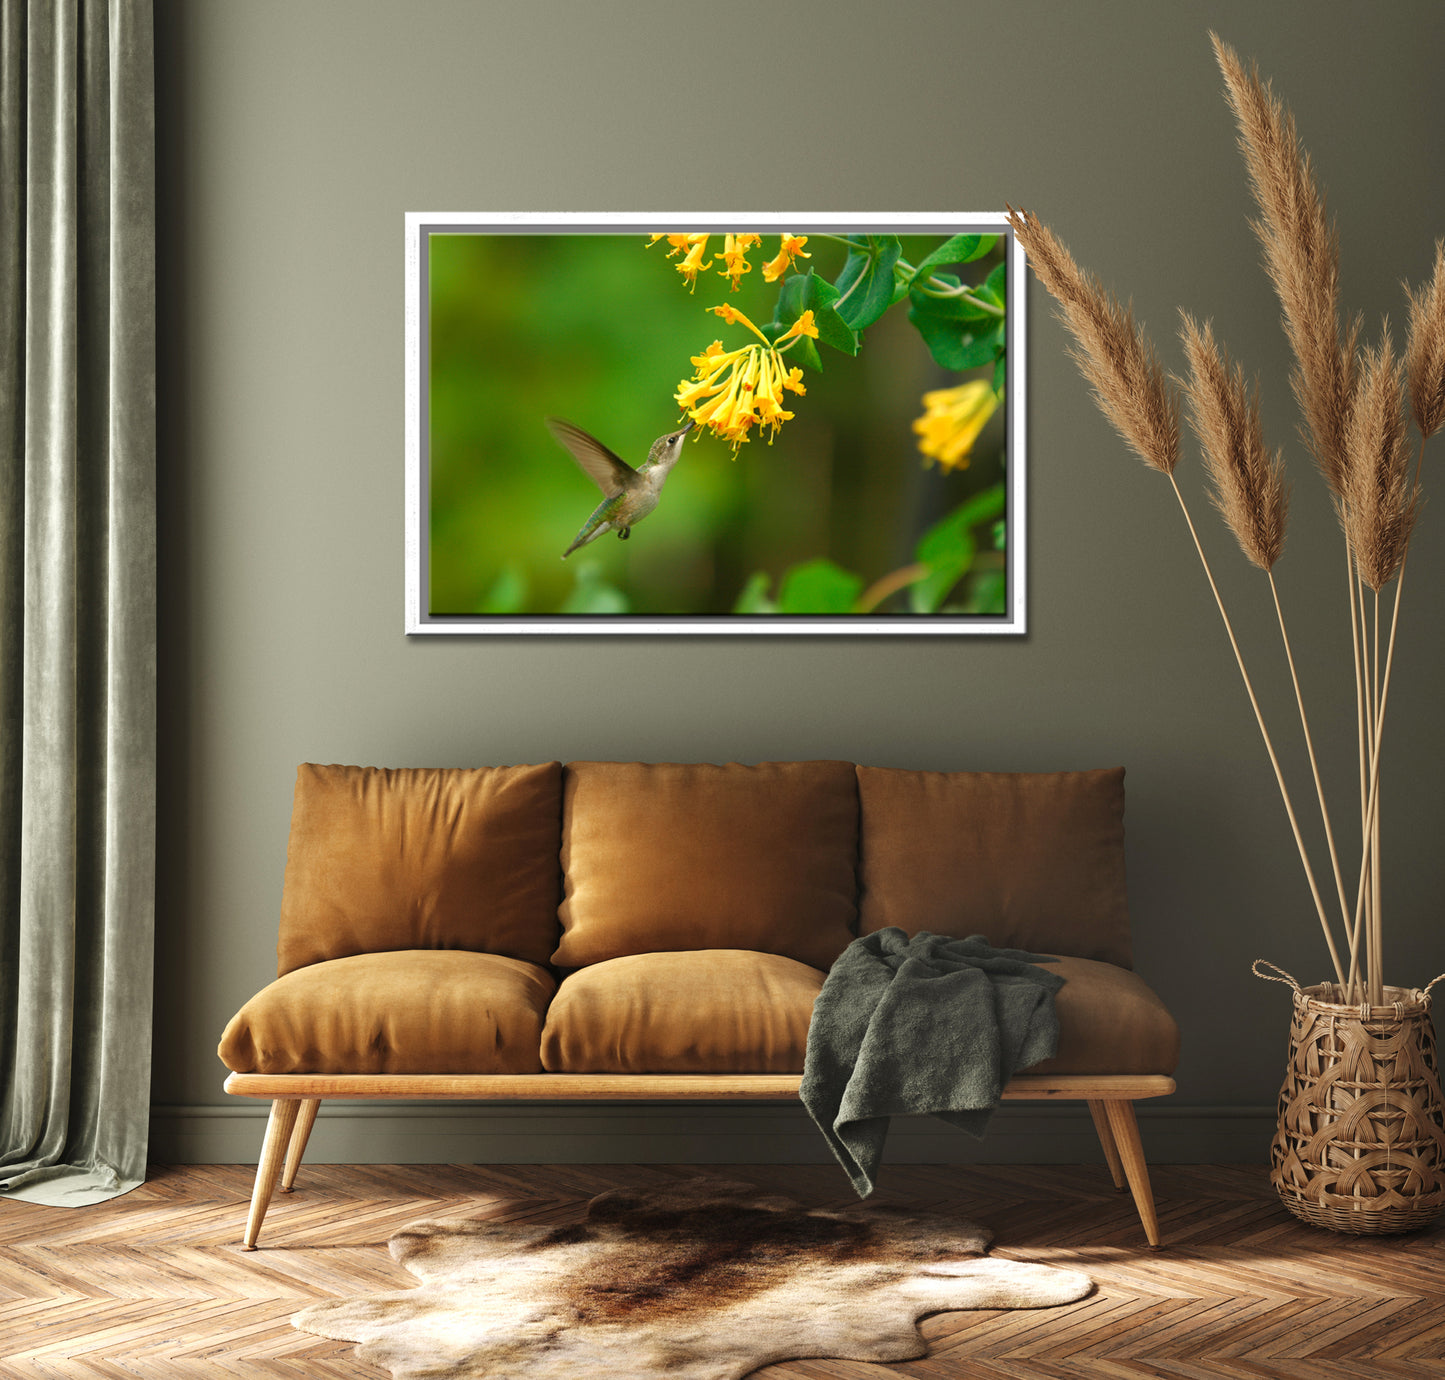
(687, 428)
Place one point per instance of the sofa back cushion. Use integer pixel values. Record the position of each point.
(1028, 860)
(419, 858)
(671, 857)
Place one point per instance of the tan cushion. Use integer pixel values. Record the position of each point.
(1028, 860)
(707, 1011)
(422, 859)
(1110, 1021)
(671, 857)
(418, 1011)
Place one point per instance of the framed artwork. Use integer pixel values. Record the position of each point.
(753, 424)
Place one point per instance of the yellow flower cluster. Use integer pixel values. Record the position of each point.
(954, 417)
(732, 390)
(695, 258)
(735, 256)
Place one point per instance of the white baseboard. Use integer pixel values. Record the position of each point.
(706, 1133)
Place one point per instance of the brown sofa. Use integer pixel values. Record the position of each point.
(622, 931)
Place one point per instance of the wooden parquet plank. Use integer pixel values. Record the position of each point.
(154, 1284)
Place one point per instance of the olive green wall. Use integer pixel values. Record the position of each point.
(294, 134)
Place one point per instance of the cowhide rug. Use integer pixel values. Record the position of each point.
(705, 1281)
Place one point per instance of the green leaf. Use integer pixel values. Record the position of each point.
(983, 506)
(591, 594)
(987, 593)
(808, 292)
(818, 586)
(949, 547)
(754, 597)
(799, 293)
(791, 299)
(995, 286)
(508, 593)
(862, 255)
(957, 249)
(866, 284)
(954, 308)
(1000, 374)
(805, 352)
(952, 554)
(946, 542)
(957, 344)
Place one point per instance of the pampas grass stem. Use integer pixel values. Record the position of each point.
(1361, 734)
(1365, 704)
(1314, 763)
(1354, 404)
(1268, 743)
(1131, 389)
(1366, 888)
(1373, 841)
(1376, 937)
(1369, 888)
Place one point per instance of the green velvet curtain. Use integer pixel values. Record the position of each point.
(77, 596)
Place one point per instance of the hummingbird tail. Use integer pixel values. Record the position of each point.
(583, 537)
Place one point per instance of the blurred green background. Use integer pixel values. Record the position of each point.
(599, 329)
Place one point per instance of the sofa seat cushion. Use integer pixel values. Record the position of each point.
(1029, 860)
(408, 1011)
(669, 856)
(1110, 1021)
(700, 1011)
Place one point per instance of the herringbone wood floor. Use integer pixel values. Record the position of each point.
(154, 1284)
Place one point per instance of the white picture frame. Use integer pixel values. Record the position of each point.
(422, 613)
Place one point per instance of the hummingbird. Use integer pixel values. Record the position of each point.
(631, 494)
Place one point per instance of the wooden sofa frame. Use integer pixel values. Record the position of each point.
(296, 1097)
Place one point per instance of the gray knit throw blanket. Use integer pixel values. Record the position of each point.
(924, 1025)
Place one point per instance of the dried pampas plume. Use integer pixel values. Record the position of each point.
(1425, 350)
(1112, 351)
(1248, 485)
(1136, 395)
(1302, 257)
(1353, 420)
(1381, 501)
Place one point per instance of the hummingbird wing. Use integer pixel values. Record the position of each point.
(611, 473)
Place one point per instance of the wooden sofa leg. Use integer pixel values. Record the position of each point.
(1106, 1139)
(273, 1152)
(305, 1120)
(1131, 1151)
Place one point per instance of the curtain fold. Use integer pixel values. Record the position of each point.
(77, 596)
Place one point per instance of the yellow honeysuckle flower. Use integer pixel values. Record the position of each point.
(692, 247)
(709, 354)
(691, 393)
(733, 317)
(680, 243)
(790, 249)
(709, 366)
(735, 256)
(769, 394)
(802, 326)
(734, 390)
(693, 262)
(952, 421)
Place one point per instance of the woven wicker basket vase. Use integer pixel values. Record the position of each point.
(1360, 1144)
